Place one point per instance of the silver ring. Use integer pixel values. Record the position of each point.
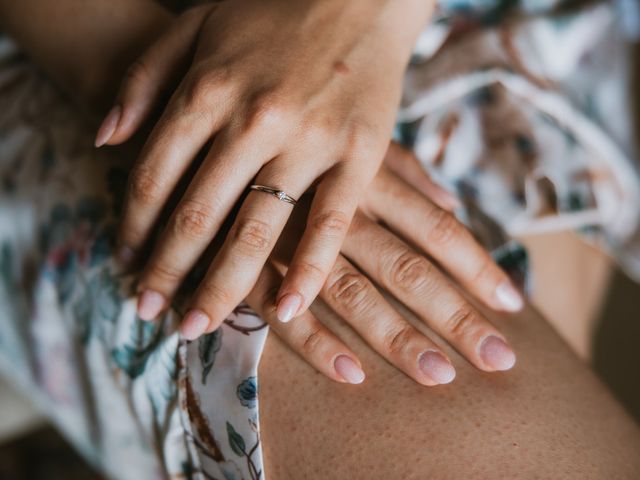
(279, 194)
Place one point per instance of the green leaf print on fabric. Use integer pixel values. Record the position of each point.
(6, 269)
(132, 357)
(208, 347)
(236, 442)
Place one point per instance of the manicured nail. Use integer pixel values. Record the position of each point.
(150, 304)
(288, 307)
(108, 126)
(194, 324)
(125, 255)
(509, 297)
(436, 367)
(496, 354)
(348, 370)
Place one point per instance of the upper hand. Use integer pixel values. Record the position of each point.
(285, 97)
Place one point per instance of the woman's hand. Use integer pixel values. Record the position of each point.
(288, 95)
(372, 253)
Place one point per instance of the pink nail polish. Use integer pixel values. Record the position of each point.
(288, 307)
(348, 370)
(150, 304)
(509, 297)
(194, 324)
(108, 126)
(496, 354)
(436, 367)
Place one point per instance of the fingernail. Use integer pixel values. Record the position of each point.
(348, 370)
(108, 126)
(194, 324)
(496, 354)
(150, 304)
(509, 297)
(125, 255)
(287, 307)
(436, 367)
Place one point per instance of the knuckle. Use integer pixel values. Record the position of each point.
(253, 235)
(360, 141)
(461, 322)
(194, 219)
(165, 272)
(144, 187)
(137, 73)
(317, 131)
(310, 270)
(411, 272)
(266, 111)
(398, 340)
(442, 227)
(351, 290)
(212, 294)
(312, 341)
(203, 86)
(332, 223)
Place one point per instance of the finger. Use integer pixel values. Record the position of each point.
(333, 206)
(217, 186)
(307, 337)
(443, 237)
(175, 141)
(421, 287)
(150, 76)
(406, 165)
(352, 296)
(251, 239)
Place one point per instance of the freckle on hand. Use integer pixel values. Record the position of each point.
(341, 67)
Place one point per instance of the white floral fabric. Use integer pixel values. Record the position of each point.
(520, 108)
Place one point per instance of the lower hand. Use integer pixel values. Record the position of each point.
(374, 255)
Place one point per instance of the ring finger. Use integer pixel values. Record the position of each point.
(249, 243)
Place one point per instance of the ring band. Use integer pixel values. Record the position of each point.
(279, 194)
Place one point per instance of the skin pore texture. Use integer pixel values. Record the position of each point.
(549, 417)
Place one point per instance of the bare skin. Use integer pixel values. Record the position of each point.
(547, 418)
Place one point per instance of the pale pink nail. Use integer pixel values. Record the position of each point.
(194, 324)
(496, 354)
(348, 370)
(150, 304)
(509, 297)
(288, 307)
(108, 126)
(126, 255)
(436, 367)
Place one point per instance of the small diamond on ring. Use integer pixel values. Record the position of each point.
(281, 195)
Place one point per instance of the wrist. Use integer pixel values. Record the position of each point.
(114, 49)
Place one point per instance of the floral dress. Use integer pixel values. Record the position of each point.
(519, 106)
